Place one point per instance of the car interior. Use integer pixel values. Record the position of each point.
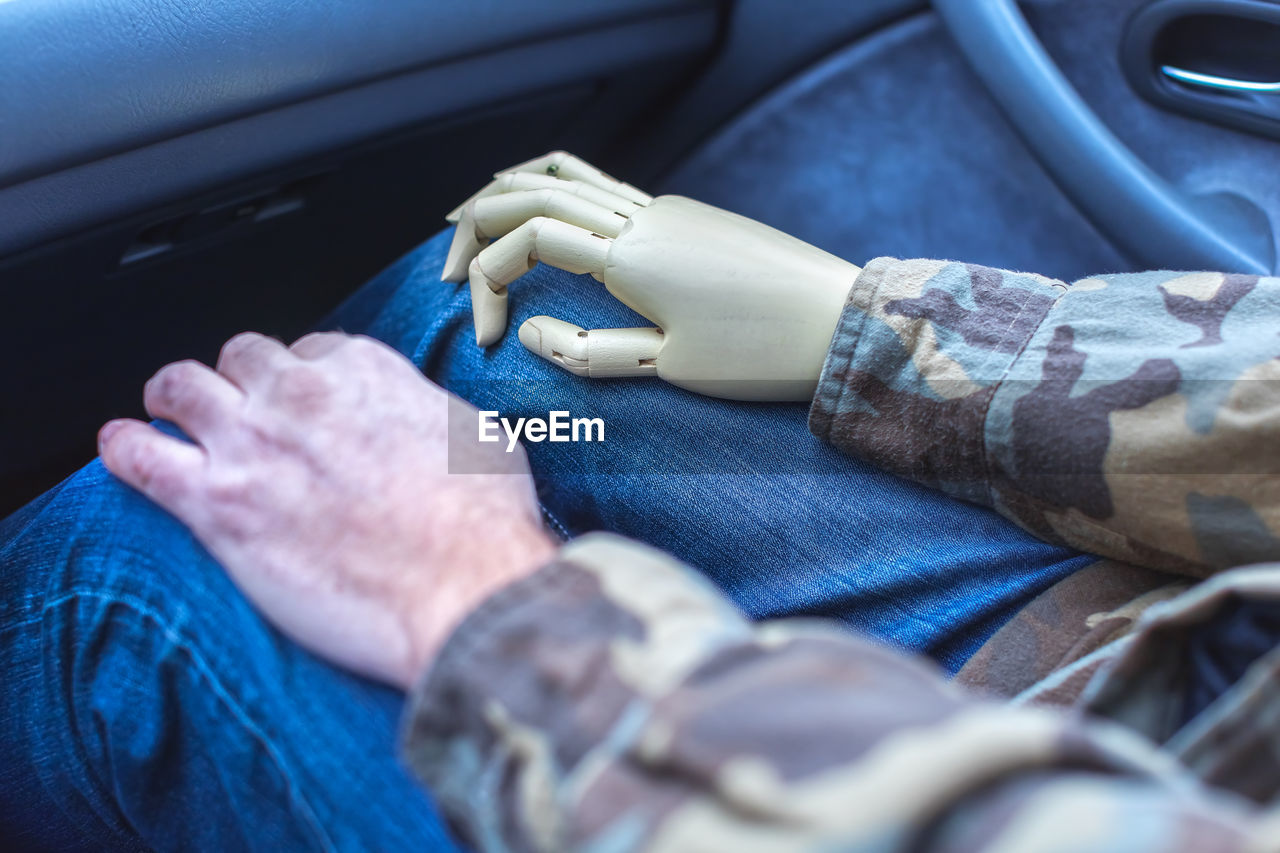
(174, 173)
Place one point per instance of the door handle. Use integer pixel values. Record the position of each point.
(1209, 81)
(1230, 44)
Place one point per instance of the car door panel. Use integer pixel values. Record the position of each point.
(172, 174)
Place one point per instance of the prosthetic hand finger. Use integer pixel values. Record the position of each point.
(511, 182)
(488, 306)
(559, 244)
(494, 216)
(598, 353)
(562, 166)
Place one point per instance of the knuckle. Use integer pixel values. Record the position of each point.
(363, 355)
(153, 475)
(303, 387)
(303, 376)
(164, 484)
(349, 340)
(227, 489)
(307, 338)
(237, 345)
(317, 337)
(366, 345)
(173, 383)
(233, 502)
(266, 437)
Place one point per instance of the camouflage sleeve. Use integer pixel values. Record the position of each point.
(615, 702)
(1135, 416)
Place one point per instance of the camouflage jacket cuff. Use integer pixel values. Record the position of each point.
(844, 345)
(539, 675)
(919, 351)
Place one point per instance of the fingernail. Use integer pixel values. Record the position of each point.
(109, 429)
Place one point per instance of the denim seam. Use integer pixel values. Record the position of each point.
(101, 789)
(220, 691)
(556, 524)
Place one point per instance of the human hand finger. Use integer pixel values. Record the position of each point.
(166, 469)
(249, 357)
(194, 397)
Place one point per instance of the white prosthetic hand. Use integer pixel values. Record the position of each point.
(743, 311)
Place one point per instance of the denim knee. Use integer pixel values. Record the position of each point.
(125, 648)
(94, 535)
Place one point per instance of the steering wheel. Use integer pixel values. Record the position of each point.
(1153, 222)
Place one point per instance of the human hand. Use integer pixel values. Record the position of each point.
(743, 311)
(319, 479)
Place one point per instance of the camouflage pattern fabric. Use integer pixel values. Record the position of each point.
(1234, 743)
(1134, 416)
(614, 701)
(1048, 652)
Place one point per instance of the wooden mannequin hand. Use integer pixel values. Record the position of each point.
(741, 310)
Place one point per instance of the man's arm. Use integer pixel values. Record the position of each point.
(613, 701)
(1135, 416)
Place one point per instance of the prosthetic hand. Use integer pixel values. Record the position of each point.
(742, 310)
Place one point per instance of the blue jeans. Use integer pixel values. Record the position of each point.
(146, 702)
